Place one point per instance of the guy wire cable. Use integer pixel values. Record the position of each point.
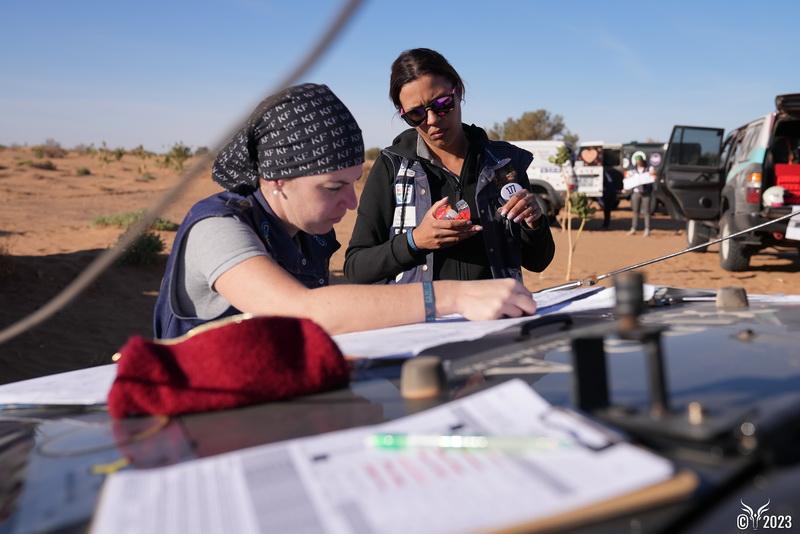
(107, 258)
(592, 280)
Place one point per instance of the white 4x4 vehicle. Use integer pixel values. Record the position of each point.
(718, 187)
(549, 181)
(546, 178)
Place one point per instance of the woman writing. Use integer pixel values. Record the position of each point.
(263, 246)
(440, 161)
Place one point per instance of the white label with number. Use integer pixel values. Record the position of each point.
(509, 190)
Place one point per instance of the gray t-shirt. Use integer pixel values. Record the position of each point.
(211, 247)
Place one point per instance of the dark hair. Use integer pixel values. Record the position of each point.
(418, 62)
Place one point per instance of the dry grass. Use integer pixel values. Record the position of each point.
(128, 219)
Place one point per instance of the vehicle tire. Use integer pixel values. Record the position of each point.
(733, 255)
(696, 234)
(547, 207)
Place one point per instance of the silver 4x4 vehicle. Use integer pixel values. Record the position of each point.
(718, 187)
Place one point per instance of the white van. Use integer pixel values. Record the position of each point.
(546, 178)
(590, 163)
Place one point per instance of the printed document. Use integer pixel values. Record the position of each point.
(337, 483)
(409, 340)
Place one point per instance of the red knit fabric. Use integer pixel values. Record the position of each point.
(257, 360)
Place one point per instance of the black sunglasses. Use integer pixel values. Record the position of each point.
(440, 106)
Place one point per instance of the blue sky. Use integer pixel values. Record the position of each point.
(157, 72)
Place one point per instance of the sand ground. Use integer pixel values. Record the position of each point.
(47, 237)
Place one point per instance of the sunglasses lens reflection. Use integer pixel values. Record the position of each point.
(444, 103)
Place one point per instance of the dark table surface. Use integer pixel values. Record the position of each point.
(733, 362)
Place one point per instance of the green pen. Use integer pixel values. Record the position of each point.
(399, 442)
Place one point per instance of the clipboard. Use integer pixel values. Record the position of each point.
(681, 485)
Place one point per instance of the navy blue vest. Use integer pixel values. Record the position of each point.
(308, 264)
(500, 237)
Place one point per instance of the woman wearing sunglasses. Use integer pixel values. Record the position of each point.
(263, 246)
(400, 235)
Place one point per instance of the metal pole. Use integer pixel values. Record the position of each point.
(592, 280)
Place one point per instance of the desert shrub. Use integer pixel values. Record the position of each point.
(50, 149)
(371, 154)
(201, 151)
(45, 165)
(3, 147)
(140, 152)
(128, 219)
(83, 171)
(24, 162)
(146, 177)
(85, 150)
(177, 156)
(581, 206)
(143, 251)
(104, 154)
(118, 153)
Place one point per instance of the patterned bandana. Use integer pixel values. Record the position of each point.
(302, 131)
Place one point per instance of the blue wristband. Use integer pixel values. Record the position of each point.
(430, 302)
(410, 239)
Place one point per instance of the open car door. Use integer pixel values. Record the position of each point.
(788, 104)
(692, 172)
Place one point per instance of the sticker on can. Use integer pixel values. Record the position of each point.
(508, 190)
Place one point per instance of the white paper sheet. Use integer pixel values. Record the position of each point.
(335, 483)
(409, 340)
(604, 299)
(84, 386)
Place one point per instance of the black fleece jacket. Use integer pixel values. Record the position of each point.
(374, 257)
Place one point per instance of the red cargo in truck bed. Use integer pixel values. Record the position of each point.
(787, 175)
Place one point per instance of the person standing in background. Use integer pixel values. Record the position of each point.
(641, 195)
